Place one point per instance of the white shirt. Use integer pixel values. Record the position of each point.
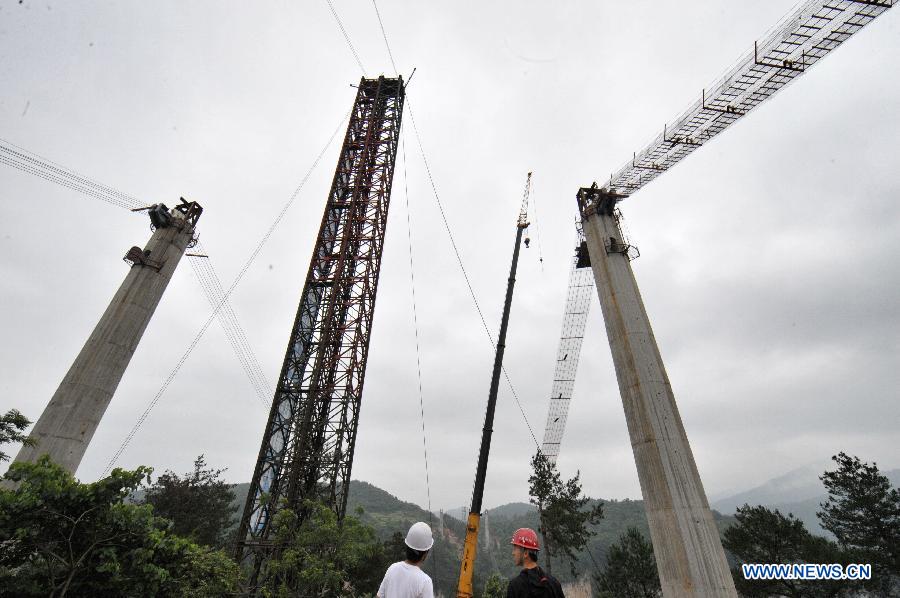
(403, 580)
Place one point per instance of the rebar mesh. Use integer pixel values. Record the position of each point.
(795, 44)
(578, 304)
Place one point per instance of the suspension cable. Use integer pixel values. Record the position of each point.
(384, 35)
(31, 163)
(463, 268)
(243, 341)
(202, 274)
(412, 285)
(234, 332)
(346, 37)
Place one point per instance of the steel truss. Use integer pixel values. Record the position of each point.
(798, 42)
(307, 448)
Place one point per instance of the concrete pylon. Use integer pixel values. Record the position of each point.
(689, 554)
(69, 421)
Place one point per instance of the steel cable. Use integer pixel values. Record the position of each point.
(207, 278)
(218, 294)
(463, 269)
(384, 35)
(412, 284)
(32, 163)
(346, 37)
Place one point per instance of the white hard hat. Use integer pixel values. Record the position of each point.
(419, 537)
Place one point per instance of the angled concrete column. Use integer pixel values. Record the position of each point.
(686, 543)
(68, 423)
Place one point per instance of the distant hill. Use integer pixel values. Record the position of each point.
(794, 486)
(513, 509)
(389, 514)
(799, 492)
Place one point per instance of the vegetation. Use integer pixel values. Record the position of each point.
(322, 557)
(862, 511)
(12, 424)
(65, 538)
(495, 586)
(200, 505)
(62, 537)
(630, 569)
(563, 519)
(762, 535)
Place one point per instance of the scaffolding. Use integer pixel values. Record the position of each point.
(307, 448)
(578, 304)
(797, 43)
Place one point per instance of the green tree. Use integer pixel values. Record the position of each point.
(495, 586)
(863, 512)
(560, 504)
(200, 504)
(762, 535)
(630, 569)
(395, 547)
(321, 556)
(12, 424)
(62, 537)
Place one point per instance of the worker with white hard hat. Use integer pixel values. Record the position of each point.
(405, 579)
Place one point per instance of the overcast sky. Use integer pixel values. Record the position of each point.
(769, 260)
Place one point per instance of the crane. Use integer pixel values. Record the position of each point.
(470, 547)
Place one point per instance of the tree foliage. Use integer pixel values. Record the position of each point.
(863, 512)
(560, 504)
(763, 535)
(630, 569)
(321, 556)
(199, 503)
(62, 537)
(12, 424)
(495, 586)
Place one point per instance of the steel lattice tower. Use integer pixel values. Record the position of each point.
(307, 448)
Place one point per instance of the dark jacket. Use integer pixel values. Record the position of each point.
(534, 583)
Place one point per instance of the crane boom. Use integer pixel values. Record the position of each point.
(470, 547)
(798, 42)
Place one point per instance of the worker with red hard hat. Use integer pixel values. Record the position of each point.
(532, 580)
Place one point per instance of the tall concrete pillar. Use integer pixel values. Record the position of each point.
(68, 423)
(686, 543)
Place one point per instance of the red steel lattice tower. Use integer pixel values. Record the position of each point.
(307, 448)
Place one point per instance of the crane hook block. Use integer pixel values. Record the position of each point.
(527, 241)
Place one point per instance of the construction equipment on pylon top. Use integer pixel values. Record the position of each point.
(470, 547)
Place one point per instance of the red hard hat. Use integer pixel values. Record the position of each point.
(526, 538)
